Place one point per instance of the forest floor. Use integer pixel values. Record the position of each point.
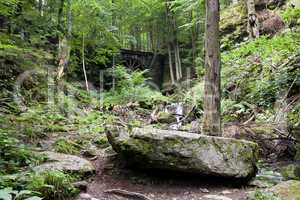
(113, 174)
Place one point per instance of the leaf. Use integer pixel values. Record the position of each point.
(34, 198)
(24, 192)
(4, 195)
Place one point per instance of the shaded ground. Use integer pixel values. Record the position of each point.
(112, 174)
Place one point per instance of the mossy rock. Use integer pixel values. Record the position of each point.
(297, 156)
(186, 152)
(289, 190)
(233, 25)
(291, 171)
(165, 117)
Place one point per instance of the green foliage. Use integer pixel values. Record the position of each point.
(65, 146)
(293, 115)
(256, 71)
(131, 87)
(8, 7)
(14, 154)
(291, 14)
(52, 185)
(263, 195)
(10, 194)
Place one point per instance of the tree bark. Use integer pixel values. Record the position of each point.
(170, 41)
(41, 7)
(83, 64)
(64, 36)
(194, 48)
(253, 23)
(176, 49)
(171, 65)
(212, 85)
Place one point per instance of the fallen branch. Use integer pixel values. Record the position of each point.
(126, 193)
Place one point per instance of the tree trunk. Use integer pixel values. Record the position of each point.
(170, 43)
(194, 48)
(83, 64)
(253, 23)
(171, 65)
(212, 85)
(64, 46)
(176, 49)
(41, 7)
(113, 24)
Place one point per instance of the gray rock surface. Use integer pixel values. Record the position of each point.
(187, 152)
(65, 162)
(288, 190)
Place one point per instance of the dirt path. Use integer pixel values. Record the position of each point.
(112, 174)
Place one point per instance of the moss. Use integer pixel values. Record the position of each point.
(297, 156)
(164, 117)
(291, 172)
(102, 141)
(233, 25)
(289, 190)
(263, 195)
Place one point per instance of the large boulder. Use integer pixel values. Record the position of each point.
(186, 152)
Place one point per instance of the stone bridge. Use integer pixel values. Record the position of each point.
(154, 63)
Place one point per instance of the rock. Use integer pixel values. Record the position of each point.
(165, 117)
(216, 197)
(81, 185)
(192, 127)
(85, 196)
(289, 190)
(266, 178)
(204, 190)
(226, 192)
(90, 151)
(297, 156)
(65, 162)
(291, 171)
(186, 152)
(270, 22)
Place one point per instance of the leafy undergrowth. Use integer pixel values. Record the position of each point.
(38, 185)
(78, 119)
(263, 195)
(258, 73)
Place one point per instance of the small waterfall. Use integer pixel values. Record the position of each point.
(177, 110)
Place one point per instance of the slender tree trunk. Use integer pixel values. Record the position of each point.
(194, 48)
(41, 7)
(253, 23)
(113, 24)
(176, 50)
(212, 91)
(170, 42)
(171, 65)
(83, 64)
(178, 60)
(69, 19)
(65, 36)
(60, 16)
(138, 38)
